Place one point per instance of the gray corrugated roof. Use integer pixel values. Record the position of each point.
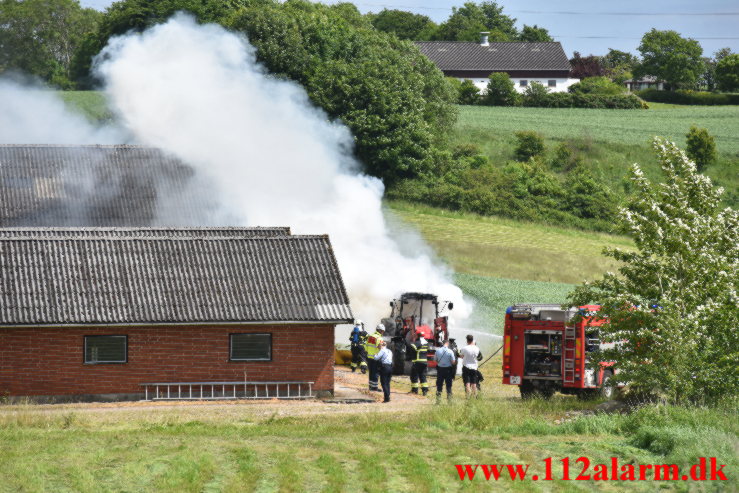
(461, 55)
(144, 232)
(156, 280)
(55, 185)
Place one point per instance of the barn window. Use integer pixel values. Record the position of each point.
(523, 83)
(251, 347)
(106, 349)
(552, 83)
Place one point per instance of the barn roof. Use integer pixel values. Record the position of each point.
(499, 56)
(88, 277)
(57, 185)
(144, 232)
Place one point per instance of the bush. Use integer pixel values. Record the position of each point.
(500, 91)
(579, 100)
(564, 158)
(535, 95)
(688, 97)
(468, 93)
(701, 147)
(530, 144)
(597, 85)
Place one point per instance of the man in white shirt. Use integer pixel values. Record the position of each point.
(470, 355)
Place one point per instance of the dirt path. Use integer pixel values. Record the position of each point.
(351, 396)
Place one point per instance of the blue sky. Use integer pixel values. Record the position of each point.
(581, 24)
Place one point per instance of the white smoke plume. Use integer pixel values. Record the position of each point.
(198, 93)
(33, 115)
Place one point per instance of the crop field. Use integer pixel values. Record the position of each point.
(494, 247)
(635, 127)
(493, 295)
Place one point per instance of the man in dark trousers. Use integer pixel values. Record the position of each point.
(445, 360)
(384, 359)
(357, 339)
(419, 350)
(372, 347)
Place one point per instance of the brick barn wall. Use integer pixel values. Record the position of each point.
(49, 361)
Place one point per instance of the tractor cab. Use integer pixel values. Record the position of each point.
(412, 313)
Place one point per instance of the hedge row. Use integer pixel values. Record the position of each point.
(688, 97)
(569, 100)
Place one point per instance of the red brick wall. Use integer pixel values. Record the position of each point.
(49, 361)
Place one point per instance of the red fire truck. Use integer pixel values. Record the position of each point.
(546, 349)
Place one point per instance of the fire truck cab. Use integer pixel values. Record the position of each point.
(546, 350)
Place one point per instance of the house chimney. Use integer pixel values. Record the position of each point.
(484, 38)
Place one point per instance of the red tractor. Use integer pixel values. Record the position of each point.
(413, 313)
(546, 351)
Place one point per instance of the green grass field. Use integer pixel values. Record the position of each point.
(494, 247)
(608, 141)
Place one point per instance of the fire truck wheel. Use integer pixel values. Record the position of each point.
(528, 391)
(606, 390)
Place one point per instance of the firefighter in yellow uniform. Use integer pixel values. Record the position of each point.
(419, 351)
(372, 347)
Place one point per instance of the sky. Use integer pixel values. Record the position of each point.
(592, 26)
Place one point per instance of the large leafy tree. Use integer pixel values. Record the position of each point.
(619, 65)
(534, 33)
(673, 308)
(39, 37)
(137, 15)
(727, 73)
(586, 66)
(393, 99)
(670, 57)
(405, 25)
(466, 22)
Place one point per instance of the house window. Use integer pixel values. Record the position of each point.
(552, 83)
(106, 349)
(523, 83)
(251, 347)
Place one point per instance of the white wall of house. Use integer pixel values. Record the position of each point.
(554, 85)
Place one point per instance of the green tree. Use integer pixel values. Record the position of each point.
(668, 56)
(727, 73)
(466, 22)
(137, 15)
(701, 147)
(468, 93)
(405, 25)
(596, 85)
(534, 33)
(529, 144)
(535, 94)
(672, 307)
(393, 99)
(500, 91)
(619, 65)
(40, 37)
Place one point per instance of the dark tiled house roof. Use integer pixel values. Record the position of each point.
(53, 185)
(88, 277)
(143, 232)
(508, 56)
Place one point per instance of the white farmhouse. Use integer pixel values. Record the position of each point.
(545, 63)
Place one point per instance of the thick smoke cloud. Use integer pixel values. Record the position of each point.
(198, 92)
(33, 115)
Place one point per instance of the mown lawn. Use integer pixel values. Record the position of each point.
(239, 449)
(495, 247)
